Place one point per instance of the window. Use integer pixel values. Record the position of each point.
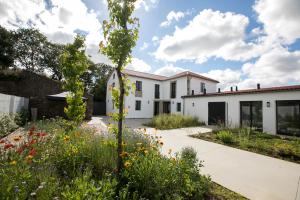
(156, 92)
(288, 117)
(114, 75)
(202, 87)
(113, 85)
(138, 85)
(173, 89)
(178, 107)
(251, 114)
(138, 105)
(193, 92)
(138, 89)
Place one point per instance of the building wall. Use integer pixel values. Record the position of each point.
(200, 108)
(12, 104)
(196, 85)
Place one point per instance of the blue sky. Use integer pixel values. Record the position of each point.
(236, 42)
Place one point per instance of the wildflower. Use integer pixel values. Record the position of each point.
(41, 134)
(145, 151)
(66, 138)
(29, 158)
(127, 164)
(124, 154)
(33, 141)
(124, 144)
(161, 143)
(145, 130)
(40, 187)
(170, 151)
(2, 141)
(32, 194)
(8, 146)
(17, 138)
(17, 188)
(13, 162)
(139, 144)
(32, 152)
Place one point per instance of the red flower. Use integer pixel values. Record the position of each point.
(32, 152)
(8, 146)
(41, 134)
(31, 131)
(20, 150)
(33, 141)
(2, 141)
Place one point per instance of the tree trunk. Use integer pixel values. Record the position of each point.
(120, 122)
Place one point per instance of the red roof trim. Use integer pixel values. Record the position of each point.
(164, 78)
(249, 91)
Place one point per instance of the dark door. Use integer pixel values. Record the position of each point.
(216, 113)
(156, 108)
(288, 117)
(251, 114)
(166, 107)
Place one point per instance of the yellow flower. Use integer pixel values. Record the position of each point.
(139, 144)
(145, 130)
(13, 162)
(66, 138)
(145, 151)
(127, 164)
(124, 154)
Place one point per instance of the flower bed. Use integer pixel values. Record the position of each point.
(286, 148)
(54, 164)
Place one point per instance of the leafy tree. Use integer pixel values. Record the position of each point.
(95, 79)
(6, 48)
(30, 48)
(51, 60)
(74, 63)
(120, 36)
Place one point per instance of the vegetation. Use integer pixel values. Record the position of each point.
(172, 121)
(120, 36)
(74, 63)
(221, 193)
(58, 164)
(7, 124)
(286, 148)
(6, 49)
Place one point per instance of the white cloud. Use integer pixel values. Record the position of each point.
(146, 4)
(169, 70)
(139, 65)
(155, 38)
(59, 22)
(145, 46)
(173, 16)
(209, 34)
(226, 77)
(280, 18)
(277, 67)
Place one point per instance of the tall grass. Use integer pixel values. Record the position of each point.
(172, 121)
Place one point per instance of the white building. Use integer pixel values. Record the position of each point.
(273, 110)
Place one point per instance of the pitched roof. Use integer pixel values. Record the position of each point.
(248, 91)
(163, 78)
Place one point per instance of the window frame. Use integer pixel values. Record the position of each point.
(202, 87)
(138, 105)
(178, 105)
(173, 92)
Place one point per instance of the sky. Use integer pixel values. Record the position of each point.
(239, 43)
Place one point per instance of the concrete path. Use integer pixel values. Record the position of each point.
(253, 175)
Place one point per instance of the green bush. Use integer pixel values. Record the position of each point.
(225, 136)
(153, 176)
(7, 124)
(172, 121)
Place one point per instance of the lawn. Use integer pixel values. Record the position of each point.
(286, 148)
(173, 121)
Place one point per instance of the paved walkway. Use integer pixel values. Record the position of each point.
(253, 175)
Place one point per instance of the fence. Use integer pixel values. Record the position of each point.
(12, 104)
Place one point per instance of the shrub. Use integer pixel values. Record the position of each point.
(153, 176)
(7, 124)
(225, 136)
(21, 118)
(172, 121)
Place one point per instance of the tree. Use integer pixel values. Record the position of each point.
(74, 63)
(51, 60)
(95, 79)
(120, 36)
(6, 48)
(30, 48)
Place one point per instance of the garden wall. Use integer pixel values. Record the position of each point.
(12, 104)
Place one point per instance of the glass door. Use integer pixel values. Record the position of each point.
(251, 114)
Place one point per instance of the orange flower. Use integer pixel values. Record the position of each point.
(17, 138)
(33, 141)
(32, 152)
(29, 158)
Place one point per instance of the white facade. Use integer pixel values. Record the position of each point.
(198, 106)
(148, 93)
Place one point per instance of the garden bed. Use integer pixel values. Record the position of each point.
(173, 121)
(286, 148)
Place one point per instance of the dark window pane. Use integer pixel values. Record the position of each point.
(138, 105)
(173, 89)
(178, 107)
(288, 117)
(156, 93)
